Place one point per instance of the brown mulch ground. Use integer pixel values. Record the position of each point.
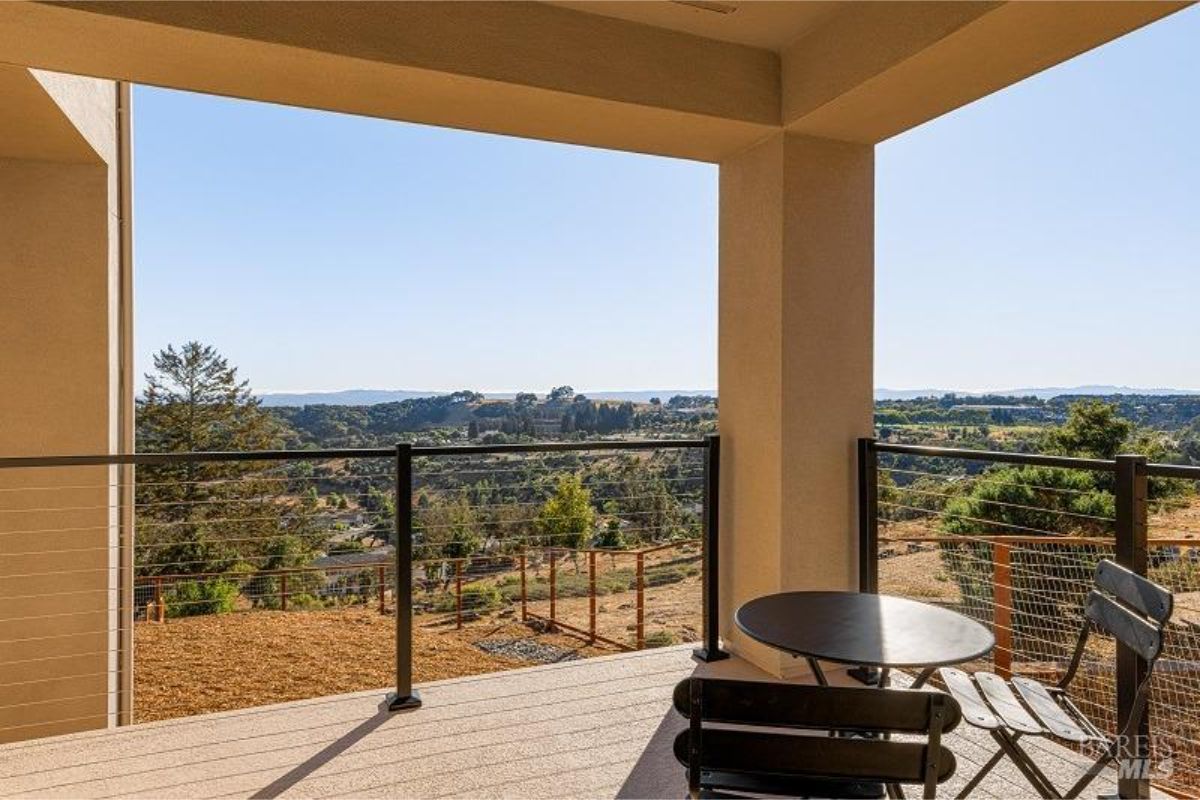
(222, 662)
(256, 657)
(919, 575)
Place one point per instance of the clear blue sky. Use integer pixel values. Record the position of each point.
(1046, 235)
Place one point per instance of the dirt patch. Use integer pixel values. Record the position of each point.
(255, 657)
(222, 662)
(919, 575)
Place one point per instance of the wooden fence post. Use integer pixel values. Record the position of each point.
(553, 590)
(458, 594)
(641, 601)
(524, 595)
(283, 592)
(592, 595)
(1002, 603)
(382, 589)
(160, 610)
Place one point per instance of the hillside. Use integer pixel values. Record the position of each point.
(471, 416)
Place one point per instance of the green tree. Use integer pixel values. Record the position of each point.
(1038, 501)
(194, 401)
(567, 517)
(446, 529)
(610, 536)
(1093, 430)
(206, 517)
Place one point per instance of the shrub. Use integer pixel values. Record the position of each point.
(481, 597)
(661, 576)
(305, 602)
(534, 590)
(476, 598)
(197, 598)
(661, 639)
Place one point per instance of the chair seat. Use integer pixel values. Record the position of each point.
(988, 702)
(975, 710)
(1052, 715)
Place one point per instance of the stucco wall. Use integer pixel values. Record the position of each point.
(58, 368)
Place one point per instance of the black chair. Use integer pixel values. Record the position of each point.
(1136, 618)
(811, 741)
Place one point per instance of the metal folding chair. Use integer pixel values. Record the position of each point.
(811, 741)
(1136, 617)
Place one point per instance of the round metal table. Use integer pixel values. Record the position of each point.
(865, 630)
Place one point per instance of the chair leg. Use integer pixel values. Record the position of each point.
(979, 776)
(1026, 765)
(1095, 769)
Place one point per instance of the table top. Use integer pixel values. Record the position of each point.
(873, 630)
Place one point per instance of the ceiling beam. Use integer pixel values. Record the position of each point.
(527, 69)
(867, 71)
(878, 69)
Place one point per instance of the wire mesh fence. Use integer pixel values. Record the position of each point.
(542, 556)
(1015, 547)
(240, 581)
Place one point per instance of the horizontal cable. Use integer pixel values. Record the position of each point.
(970, 519)
(217, 542)
(999, 456)
(1005, 505)
(983, 478)
(537, 519)
(336, 454)
(71, 676)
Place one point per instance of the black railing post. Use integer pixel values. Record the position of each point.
(405, 697)
(868, 517)
(1131, 552)
(711, 651)
(868, 537)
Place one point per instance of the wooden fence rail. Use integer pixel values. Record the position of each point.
(156, 608)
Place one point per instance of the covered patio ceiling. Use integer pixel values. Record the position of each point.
(695, 80)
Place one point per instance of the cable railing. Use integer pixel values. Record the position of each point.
(1013, 540)
(409, 563)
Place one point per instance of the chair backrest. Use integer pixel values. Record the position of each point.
(1137, 612)
(822, 709)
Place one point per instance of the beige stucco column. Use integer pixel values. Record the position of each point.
(795, 360)
(64, 651)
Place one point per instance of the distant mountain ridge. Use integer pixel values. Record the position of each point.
(370, 397)
(1042, 393)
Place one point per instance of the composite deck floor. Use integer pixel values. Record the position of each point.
(599, 728)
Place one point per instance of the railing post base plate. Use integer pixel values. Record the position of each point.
(868, 676)
(409, 703)
(703, 654)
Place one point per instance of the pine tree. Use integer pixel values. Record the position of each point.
(197, 518)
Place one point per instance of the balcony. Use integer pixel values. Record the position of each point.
(503, 581)
(102, 636)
